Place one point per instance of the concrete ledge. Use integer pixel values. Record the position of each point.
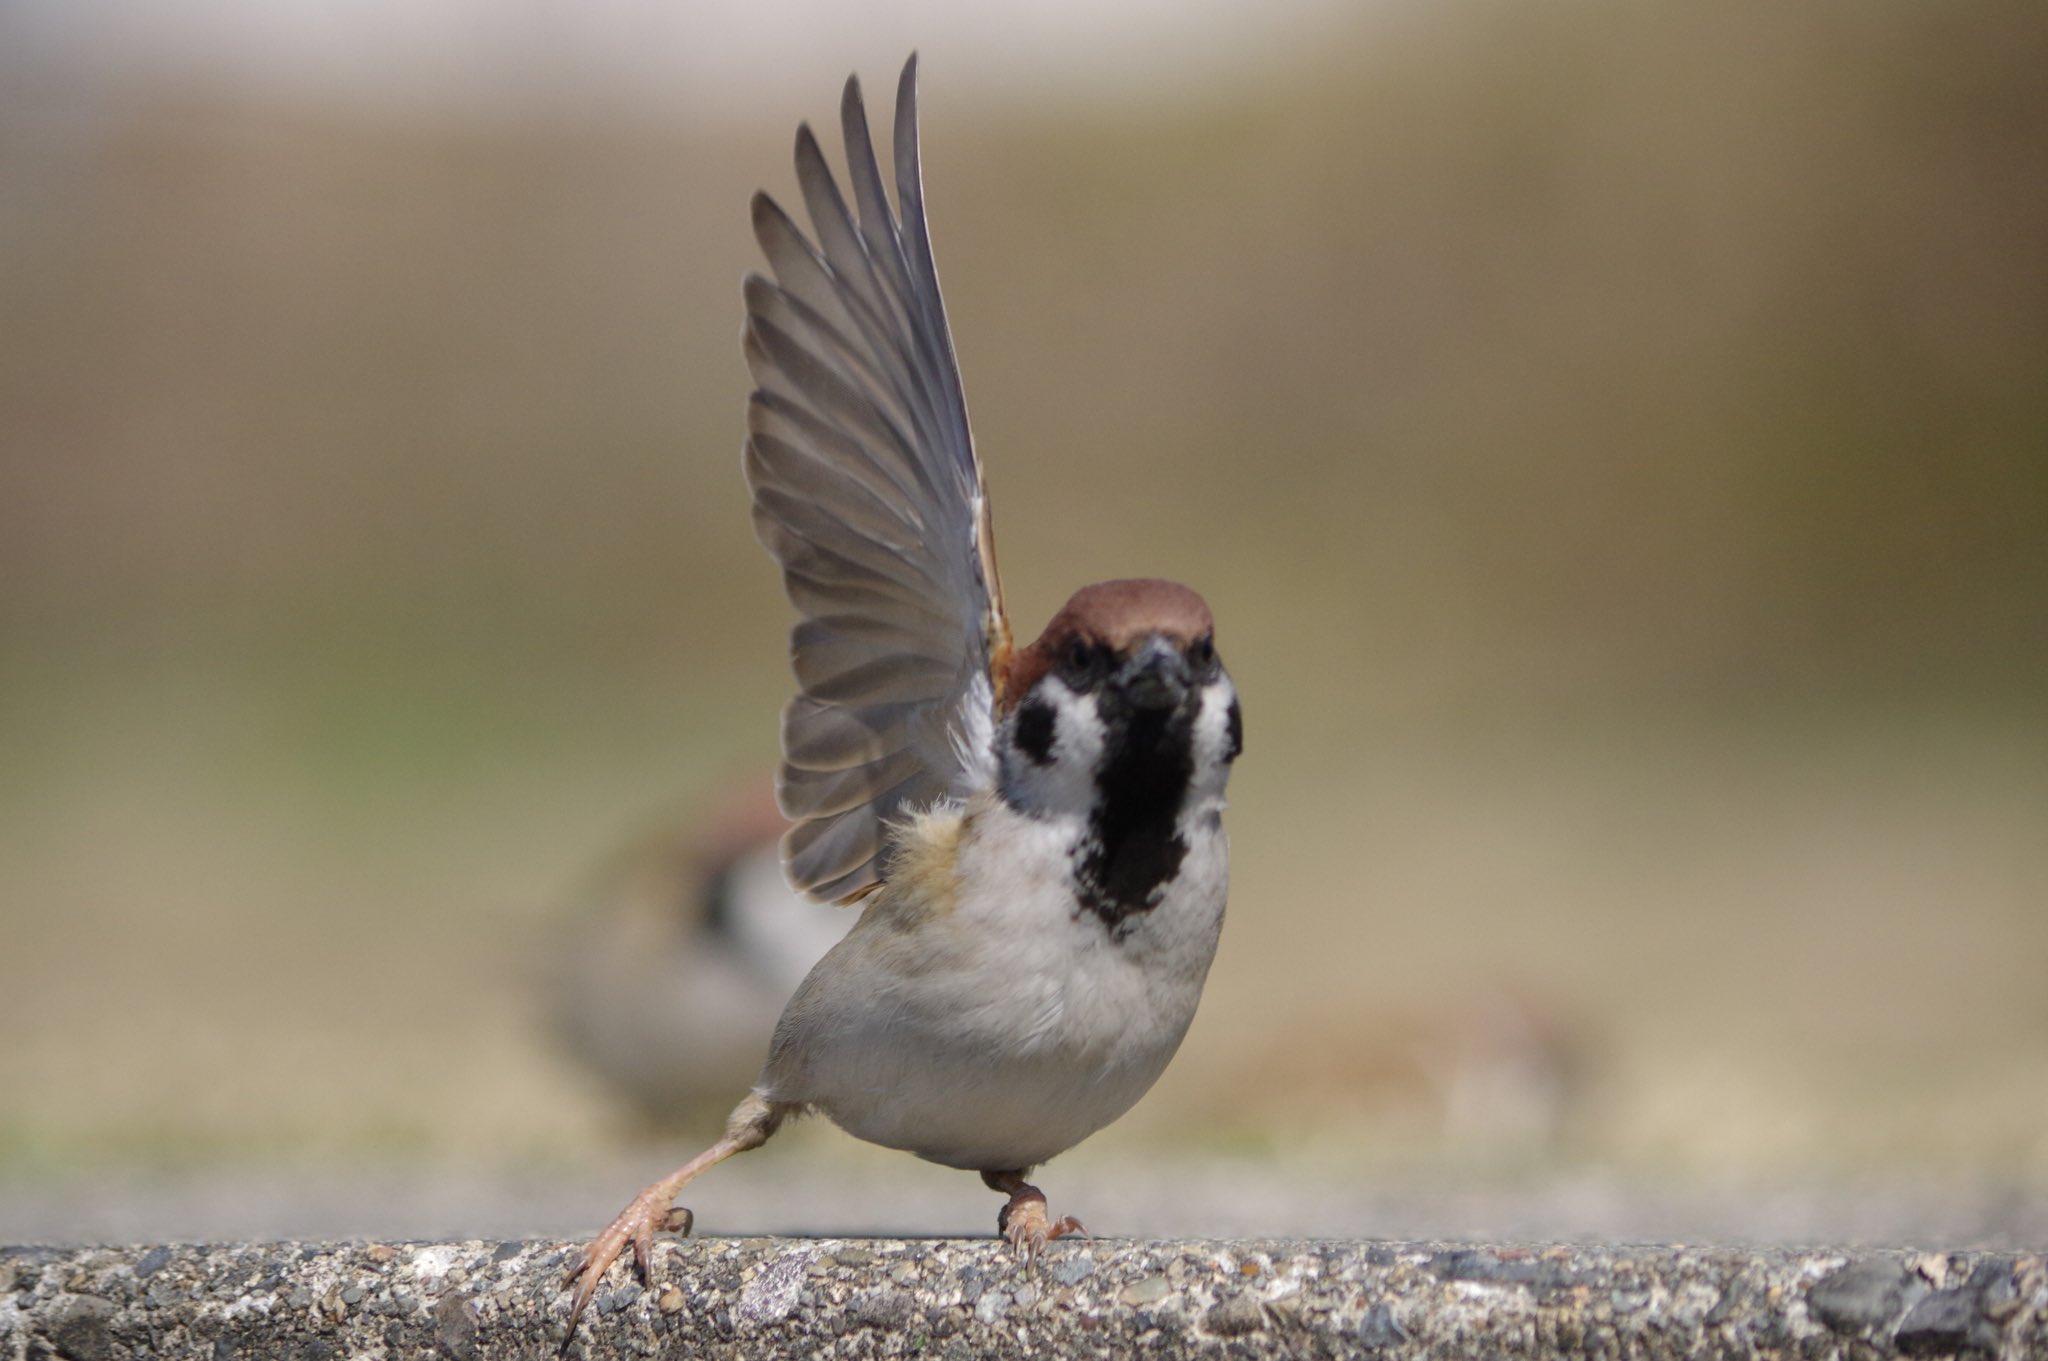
(793, 1297)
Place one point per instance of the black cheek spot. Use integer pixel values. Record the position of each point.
(1033, 732)
(1233, 726)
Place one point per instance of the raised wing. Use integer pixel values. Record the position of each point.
(867, 490)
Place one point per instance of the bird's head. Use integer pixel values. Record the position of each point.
(1121, 698)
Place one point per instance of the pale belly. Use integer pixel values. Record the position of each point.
(970, 1100)
(997, 1044)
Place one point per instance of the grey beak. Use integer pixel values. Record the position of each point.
(1155, 677)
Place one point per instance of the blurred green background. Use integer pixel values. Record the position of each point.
(1614, 441)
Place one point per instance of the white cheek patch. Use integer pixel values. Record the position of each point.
(1063, 782)
(1213, 743)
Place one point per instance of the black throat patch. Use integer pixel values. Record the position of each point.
(1134, 847)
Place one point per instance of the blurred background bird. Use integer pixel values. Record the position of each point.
(682, 953)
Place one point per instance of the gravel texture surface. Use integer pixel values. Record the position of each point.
(783, 1297)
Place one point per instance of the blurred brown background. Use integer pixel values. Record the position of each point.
(1614, 440)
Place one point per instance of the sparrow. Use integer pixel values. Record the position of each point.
(683, 951)
(1034, 834)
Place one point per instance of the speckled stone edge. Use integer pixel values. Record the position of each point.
(782, 1297)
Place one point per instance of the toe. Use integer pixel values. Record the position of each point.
(1026, 1227)
(636, 1225)
(596, 1260)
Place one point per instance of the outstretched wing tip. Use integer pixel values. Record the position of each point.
(868, 492)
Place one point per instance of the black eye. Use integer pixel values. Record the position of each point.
(1080, 655)
(1202, 651)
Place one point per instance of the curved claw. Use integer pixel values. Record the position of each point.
(1028, 1232)
(636, 1224)
(1024, 1221)
(749, 1126)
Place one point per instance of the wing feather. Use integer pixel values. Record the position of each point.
(868, 492)
(820, 737)
(790, 443)
(838, 791)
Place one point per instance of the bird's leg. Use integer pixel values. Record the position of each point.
(1023, 1219)
(749, 1126)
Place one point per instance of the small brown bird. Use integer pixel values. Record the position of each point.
(682, 952)
(1036, 833)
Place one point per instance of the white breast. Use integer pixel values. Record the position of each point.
(1004, 1030)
